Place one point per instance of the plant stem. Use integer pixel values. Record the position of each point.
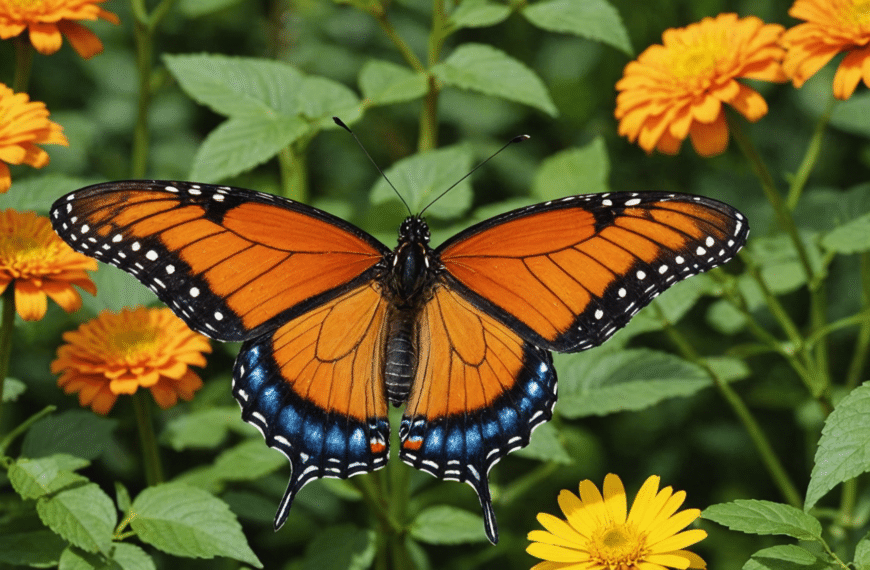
(22, 428)
(294, 174)
(23, 64)
(7, 325)
(862, 343)
(150, 451)
(429, 113)
(812, 155)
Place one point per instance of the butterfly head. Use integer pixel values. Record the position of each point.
(414, 230)
(413, 261)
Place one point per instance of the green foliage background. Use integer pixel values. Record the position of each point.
(637, 406)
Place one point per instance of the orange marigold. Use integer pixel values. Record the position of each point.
(677, 89)
(23, 125)
(46, 20)
(39, 263)
(831, 27)
(116, 353)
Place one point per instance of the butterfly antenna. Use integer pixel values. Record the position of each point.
(516, 139)
(341, 124)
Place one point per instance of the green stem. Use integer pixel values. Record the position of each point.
(294, 174)
(429, 113)
(7, 326)
(862, 343)
(768, 457)
(404, 49)
(147, 438)
(22, 428)
(23, 64)
(810, 158)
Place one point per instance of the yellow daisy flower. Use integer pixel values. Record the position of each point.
(831, 27)
(48, 20)
(117, 353)
(599, 536)
(35, 261)
(678, 89)
(23, 125)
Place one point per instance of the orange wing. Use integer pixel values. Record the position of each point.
(314, 387)
(232, 263)
(478, 393)
(567, 274)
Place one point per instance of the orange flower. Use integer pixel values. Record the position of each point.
(23, 125)
(39, 263)
(116, 353)
(677, 89)
(831, 26)
(48, 19)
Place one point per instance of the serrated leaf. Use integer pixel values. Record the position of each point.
(447, 525)
(592, 19)
(241, 143)
(12, 388)
(84, 515)
(76, 432)
(862, 554)
(236, 85)
(851, 237)
(574, 171)
(421, 177)
(34, 478)
(765, 517)
(786, 557)
(484, 69)
(844, 448)
(131, 557)
(545, 446)
(321, 98)
(201, 429)
(478, 14)
(185, 521)
(385, 83)
(77, 559)
(600, 382)
(341, 548)
(40, 549)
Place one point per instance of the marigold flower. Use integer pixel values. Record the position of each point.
(38, 263)
(831, 27)
(677, 89)
(116, 353)
(23, 125)
(599, 536)
(46, 20)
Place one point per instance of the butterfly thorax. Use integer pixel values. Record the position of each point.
(409, 282)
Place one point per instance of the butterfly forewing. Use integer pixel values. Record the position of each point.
(568, 274)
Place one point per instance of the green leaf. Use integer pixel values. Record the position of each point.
(574, 171)
(198, 8)
(487, 70)
(83, 515)
(131, 557)
(321, 98)
(241, 143)
(40, 548)
(601, 382)
(844, 448)
(851, 237)
(765, 517)
(447, 525)
(34, 478)
(725, 317)
(592, 19)
(12, 388)
(780, 265)
(385, 83)
(116, 290)
(478, 14)
(423, 176)
(122, 497)
(861, 558)
(234, 86)
(342, 547)
(787, 557)
(729, 368)
(545, 446)
(76, 432)
(202, 429)
(37, 193)
(851, 115)
(185, 521)
(77, 559)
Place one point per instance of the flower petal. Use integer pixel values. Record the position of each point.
(556, 553)
(849, 73)
(710, 139)
(30, 301)
(614, 498)
(45, 38)
(84, 41)
(682, 540)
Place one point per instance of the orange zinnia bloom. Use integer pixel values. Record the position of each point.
(23, 125)
(48, 19)
(831, 27)
(38, 263)
(116, 353)
(677, 89)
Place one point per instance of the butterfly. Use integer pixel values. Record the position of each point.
(335, 325)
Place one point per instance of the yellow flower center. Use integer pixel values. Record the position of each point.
(134, 345)
(24, 256)
(696, 62)
(860, 12)
(617, 546)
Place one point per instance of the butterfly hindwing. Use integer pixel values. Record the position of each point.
(568, 274)
(232, 263)
(478, 393)
(314, 389)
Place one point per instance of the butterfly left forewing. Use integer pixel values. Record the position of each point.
(478, 392)
(314, 388)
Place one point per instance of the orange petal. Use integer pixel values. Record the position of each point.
(84, 41)
(64, 295)
(12, 154)
(710, 139)
(30, 301)
(849, 73)
(109, 17)
(35, 156)
(749, 103)
(45, 38)
(5, 178)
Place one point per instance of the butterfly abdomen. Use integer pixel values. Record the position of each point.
(400, 362)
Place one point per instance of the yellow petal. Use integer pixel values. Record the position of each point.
(614, 498)
(556, 553)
